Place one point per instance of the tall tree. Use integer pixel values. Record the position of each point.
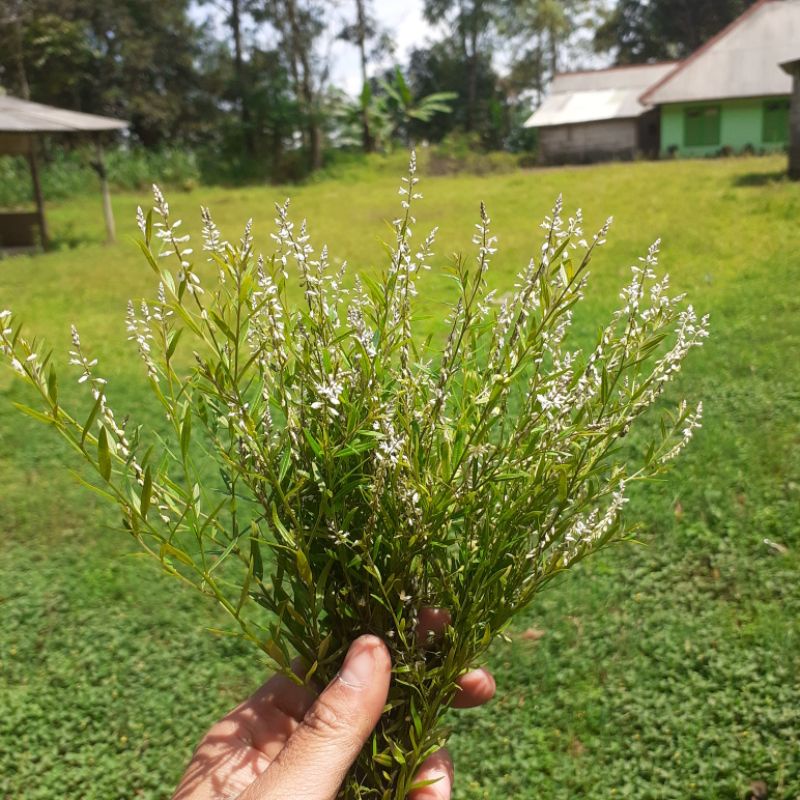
(300, 24)
(235, 22)
(480, 105)
(135, 59)
(638, 31)
(538, 33)
(372, 42)
(12, 23)
(473, 23)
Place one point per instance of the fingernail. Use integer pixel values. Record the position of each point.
(359, 663)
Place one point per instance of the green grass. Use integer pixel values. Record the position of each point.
(666, 670)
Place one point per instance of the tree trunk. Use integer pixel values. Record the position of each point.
(367, 139)
(472, 82)
(553, 53)
(306, 94)
(22, 75)
(238, 72)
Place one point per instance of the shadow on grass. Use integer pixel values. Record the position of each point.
(756, 179)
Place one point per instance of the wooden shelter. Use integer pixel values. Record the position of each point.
(793, 69)
(22, 123)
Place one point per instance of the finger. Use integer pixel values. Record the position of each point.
(241, 746)
(268, 718)
(316, 758)
(438, 769)
(476, 688)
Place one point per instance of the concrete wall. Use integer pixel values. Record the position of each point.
(741, 127)
(590, 141)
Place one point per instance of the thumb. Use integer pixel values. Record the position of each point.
(316, 758)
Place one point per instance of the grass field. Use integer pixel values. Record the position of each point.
(665, 670)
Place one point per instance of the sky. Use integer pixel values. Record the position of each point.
(404, 21)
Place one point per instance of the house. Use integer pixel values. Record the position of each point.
(598, 115)
(731, 95)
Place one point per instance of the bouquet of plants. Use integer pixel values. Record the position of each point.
(326, 473)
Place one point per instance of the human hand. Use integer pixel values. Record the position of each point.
(285, 743)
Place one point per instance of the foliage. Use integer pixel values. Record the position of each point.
(441, 67)
(651, 671)
(134, 59)
(539, 34)
(69, 173)
(391, 111)
(363, 476)
(462, 152)
(639, 31)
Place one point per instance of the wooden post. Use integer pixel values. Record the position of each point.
(793, 68)
(794, 127)
(99, 166)
(37, 192)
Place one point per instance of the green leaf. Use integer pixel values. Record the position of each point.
(167, 549)
(255, 554)
(52, 388)
(186, 431)
(32, 412)
(304, 569)
(147, 489)
(315, 445)
(103, 455)
(91, 418)
(172, 342)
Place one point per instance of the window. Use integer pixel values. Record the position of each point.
(701, 126)
(776, 122)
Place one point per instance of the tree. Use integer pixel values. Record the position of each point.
(371, 41)
(135, 59)
(538, 33)
(442, 68)
(299, 25)
(473, 24)
(638, 31)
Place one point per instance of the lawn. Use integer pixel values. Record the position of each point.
(668, 669)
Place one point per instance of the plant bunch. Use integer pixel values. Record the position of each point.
(326, 474)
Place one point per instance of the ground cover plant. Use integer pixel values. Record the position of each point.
(701, 669)
(364, 477)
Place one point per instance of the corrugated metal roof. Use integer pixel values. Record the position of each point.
(742, 61)
(22, 116)
(599, 95)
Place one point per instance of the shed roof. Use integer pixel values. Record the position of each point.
(740, 61)
(22, 116)
(598, 95)
(791, 67)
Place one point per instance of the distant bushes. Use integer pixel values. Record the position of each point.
(67, 173)
(462, 152)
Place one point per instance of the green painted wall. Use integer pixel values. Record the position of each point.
(741, 125)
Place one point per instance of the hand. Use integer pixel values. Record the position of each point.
(285, 743)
